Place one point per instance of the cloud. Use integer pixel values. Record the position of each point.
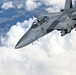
(20, 6)
(53, 9)
(31, 5)
(56, 5)
(52, 55)
(7, 5)
(18, 31)
(53, 2)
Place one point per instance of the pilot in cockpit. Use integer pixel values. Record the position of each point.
(39, 21)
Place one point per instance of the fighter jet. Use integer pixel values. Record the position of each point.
(63, 21)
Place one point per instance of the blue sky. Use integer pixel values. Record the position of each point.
(12, 14)
(52, 55)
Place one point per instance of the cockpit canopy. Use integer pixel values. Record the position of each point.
(39, 21)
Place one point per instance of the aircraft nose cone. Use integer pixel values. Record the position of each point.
(25, 40)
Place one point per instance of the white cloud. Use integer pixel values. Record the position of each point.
(57, 5)
(53, 2)
(18, 31)
(20, 6)
(53, 9)
(7, 5)
(50, 56)
(31, 5)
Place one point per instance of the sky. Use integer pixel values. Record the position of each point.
(51, 55)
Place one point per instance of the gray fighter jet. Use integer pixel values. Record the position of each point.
(63, 21)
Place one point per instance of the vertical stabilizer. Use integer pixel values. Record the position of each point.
(68, 4)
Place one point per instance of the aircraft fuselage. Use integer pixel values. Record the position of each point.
(65, 25)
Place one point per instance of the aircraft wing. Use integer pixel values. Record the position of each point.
(46, 14)
(73, 17)
(42, 14)
(62, 17)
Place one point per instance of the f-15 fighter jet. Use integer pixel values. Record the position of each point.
(63, 21)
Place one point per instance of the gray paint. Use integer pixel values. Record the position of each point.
(61, 20)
